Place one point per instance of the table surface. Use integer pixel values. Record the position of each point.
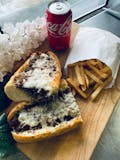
(108, 147)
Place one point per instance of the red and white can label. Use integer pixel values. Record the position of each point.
(59, 27)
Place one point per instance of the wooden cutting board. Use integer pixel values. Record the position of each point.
(79, 143)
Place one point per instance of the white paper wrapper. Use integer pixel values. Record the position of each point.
(93, 43)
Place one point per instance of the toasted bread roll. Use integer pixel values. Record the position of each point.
(38, 121)
(36, 80)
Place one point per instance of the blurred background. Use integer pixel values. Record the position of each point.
(93, 13)
(80, 7)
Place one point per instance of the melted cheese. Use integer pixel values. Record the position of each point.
(50, 112)
(41, 74)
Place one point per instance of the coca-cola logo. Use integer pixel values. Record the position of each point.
(58, 30)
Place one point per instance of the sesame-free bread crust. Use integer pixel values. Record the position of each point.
(45, 133)
(17, 94)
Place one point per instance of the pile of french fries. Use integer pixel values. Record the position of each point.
(88, 78)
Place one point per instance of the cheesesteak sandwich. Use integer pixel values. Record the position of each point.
(38, 79)
(36, 121)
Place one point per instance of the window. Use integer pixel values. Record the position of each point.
(37, 7)
(20, 10)
(83, 7)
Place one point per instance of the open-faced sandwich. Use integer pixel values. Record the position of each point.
(39, 120)
(37, 79)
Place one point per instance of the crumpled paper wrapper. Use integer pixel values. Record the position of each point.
(91, 43)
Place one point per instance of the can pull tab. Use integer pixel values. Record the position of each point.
(58, 6)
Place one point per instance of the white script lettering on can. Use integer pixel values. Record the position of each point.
(58, 30)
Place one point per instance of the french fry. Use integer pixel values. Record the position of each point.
(80, 75)
(93, 76)
(94, 62)
(96, 86)
(99, 64)
(99, 88)
(107, 70)
(87, 81)
(91, 82)
(74, 77)
(88, 78)
(80, 92)
(74, 64)
(97, 71)
(84, 85)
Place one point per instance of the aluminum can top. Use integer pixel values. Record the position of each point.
(58, 7)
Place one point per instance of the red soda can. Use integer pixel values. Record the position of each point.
(59, 20)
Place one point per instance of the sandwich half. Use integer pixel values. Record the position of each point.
(38, 79)
(31, 122)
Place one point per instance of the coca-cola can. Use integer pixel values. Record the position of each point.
(59, 20)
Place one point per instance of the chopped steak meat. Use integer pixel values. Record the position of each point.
(46, 114)
(36, 78)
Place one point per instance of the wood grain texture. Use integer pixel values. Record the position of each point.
(79, 143)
